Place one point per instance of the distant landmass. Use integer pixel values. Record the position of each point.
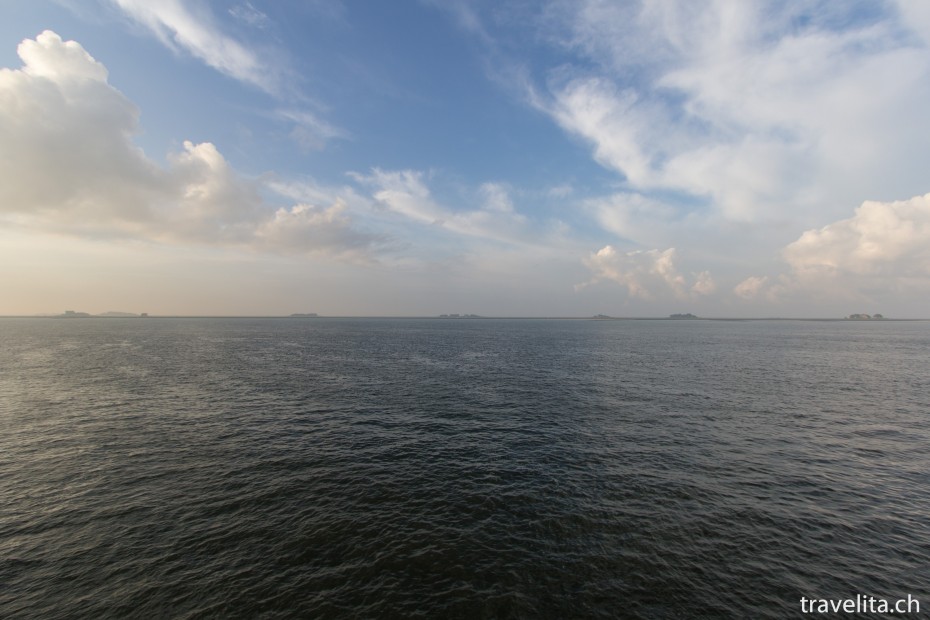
(71, 314)
(298, 315)
(865, 317)
(459, 316)
(601, 316)
(683, 316)
(111, 314)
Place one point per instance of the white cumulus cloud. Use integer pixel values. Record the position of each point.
(646, 274)
(68, 164)
(882, 239)
(751, 287)
(882, 251)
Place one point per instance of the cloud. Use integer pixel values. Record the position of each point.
(248, 14)
(405, 192)
(70, 166)
(311, 132)
(916, 13)
(633, 216)
(646, 274)
(608, 116)
(191, 27)
(703, 284)
(50, 57)
(765, 110)
(751, 287)
(67, 146)
(882, 239)
(319, 230)
(563, 190)
(308, 190)
(883, 249)
(496, 198)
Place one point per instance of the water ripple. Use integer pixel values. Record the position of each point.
(368, 468)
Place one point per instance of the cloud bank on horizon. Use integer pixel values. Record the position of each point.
(566, 158)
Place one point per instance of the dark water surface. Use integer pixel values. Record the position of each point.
(192, 468)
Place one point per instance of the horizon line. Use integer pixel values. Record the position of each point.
(452, 317)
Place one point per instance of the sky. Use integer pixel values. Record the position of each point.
(500, 158)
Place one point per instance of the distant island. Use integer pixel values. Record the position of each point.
(111, 314)
(71, 314)
(459, 316)
(601, 316)
(304, 315)
(865, 317)
(683, 316)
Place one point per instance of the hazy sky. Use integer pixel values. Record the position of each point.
(500, 158)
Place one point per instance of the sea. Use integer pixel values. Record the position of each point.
(460, 468)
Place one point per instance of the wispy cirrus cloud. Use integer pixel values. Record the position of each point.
(405, 192)
(728, 126)
(763, 109)
(248, 14)
(310, 131)
(192, 27)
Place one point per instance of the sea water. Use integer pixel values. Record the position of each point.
(194, 468)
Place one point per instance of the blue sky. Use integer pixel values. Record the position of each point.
(500, 158)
